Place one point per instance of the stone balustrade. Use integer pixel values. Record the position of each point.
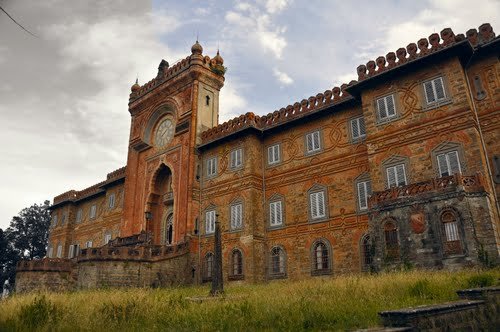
(471, 183)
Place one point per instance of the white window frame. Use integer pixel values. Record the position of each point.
(74, 250)
(211, 166)
(50, 252)
(432, 84)
(398, 168)
(88, 244)
(446, 156)
(358, 129)
(236, 211)
(79, 215)
(315, 139)
(236, 157)
(273, 154)
(389, 115)
(363, 188)
(317, 202)
(210, 221)
(93, 211)
(111, 201)
(276, 213)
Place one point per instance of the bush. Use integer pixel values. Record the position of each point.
(480, 280)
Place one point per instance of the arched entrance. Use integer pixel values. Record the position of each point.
(161, 199)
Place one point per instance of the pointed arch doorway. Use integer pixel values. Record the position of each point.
(161, 203)
(167, 229)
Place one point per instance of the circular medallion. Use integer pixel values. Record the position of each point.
(164, 132)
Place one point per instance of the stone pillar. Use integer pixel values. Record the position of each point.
(217, 282)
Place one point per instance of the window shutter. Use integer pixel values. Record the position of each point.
(276, 153)
(239, 215)
(270, 154)
(70, 253)
(400, 171)
(454, 162)
(316, 140)
(362, 130)
(362, 195)
(321, 204)
(381, 108)
(309, 140)
(279, 219)
(429, 92)
(240, 157)
(391, 176)
(314, 208)
(439, 88)
(272, 213)
(355, 128)
(443, 165)
(391, 109)
(233, 159)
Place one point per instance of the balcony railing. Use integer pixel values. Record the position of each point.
(469, 183)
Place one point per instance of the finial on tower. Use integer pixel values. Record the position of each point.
(136, 86)
(196, 48)
(218, 59)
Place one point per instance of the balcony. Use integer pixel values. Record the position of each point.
(168, 198)
(453, 183)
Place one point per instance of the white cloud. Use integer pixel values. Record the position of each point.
(274, 6)
(231, 102)
(282, 77)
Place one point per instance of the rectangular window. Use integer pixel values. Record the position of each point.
(434, 90)
(59, 251)
(111, 201)
(237, 158)
(63, 219)
(210, 222)
(74, 250)
(396, 176)
(50, 252)
(451, 231)
(79, 215)
(54, 220)
(364, 190)
(107, 238)
(386, 108)
(236, 216)
(358, 130)
(88, 244)
(317, 202)
(448, 163)
(212, 166)
(313, 142)
(273, 154)
(93, 211)
(275, 213)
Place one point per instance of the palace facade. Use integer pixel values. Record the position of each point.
(401, 167)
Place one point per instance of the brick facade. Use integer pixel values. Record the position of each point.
(304, 191)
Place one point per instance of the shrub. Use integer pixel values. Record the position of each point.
(480, 280)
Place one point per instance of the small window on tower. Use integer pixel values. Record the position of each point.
(207, 100)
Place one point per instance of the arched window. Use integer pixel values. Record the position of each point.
(366, 255)
(451, 235)
(209, 266)
(278, 260)
(391, 241)
(236, 264)
(321, 258)
(167, 230)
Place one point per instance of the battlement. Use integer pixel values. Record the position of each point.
(167, 73)
(139, 253)
(421, 49)
(339, 94)
(74, 195)
(283, 115)
(45, 264)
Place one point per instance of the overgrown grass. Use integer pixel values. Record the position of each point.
(342, 303)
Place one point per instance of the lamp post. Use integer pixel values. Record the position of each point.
(217, 282)
(148, 215)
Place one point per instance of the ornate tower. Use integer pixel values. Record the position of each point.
(168, 115)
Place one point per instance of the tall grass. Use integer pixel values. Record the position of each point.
(341, 303)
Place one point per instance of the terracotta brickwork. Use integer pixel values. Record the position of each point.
(399, 167)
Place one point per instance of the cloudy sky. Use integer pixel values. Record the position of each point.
(64, 122)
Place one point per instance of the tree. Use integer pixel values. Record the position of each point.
(25, 238)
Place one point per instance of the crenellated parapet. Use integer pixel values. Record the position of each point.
(137, 253)
(283, 115)
(166, 73)
(425, 46)
(74, 195)
(45, 264)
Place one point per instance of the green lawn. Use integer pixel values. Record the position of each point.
(344, 302)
